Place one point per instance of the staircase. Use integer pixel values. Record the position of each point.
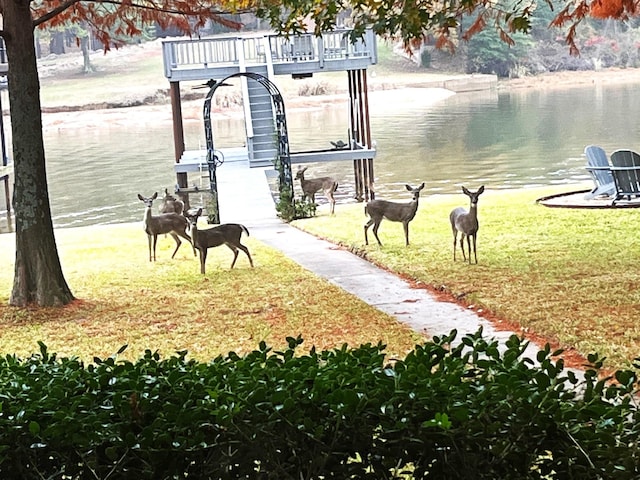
(262, 145)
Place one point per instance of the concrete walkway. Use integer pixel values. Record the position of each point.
(252, 204)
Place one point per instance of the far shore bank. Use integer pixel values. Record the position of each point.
(160, 112)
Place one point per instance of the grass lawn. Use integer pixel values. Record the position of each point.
(169, 306)
(568, 275)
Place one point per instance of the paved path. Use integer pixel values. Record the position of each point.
(252, 205)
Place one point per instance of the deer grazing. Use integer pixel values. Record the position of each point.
(313, 185)
(228, 234)
(466, 223)
(154, 225)
(170, 204)
(393, 211)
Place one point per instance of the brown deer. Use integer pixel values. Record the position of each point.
(154, 225)
(467, 224)
(228, 234)
(313, 185)
(170, 204)
(393, 211)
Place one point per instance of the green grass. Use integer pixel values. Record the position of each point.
(568, 275)
(169, 306)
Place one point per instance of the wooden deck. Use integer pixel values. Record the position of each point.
(266, 53)
(196, 160)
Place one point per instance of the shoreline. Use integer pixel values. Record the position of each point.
(81, 116)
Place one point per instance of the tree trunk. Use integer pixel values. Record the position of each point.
(56, 45)
(84, 47)
(38, 275)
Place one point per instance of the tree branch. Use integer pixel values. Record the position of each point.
(49, 15)
(156, 8)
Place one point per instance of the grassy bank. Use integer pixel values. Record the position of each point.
(567, 275)
(169, 306)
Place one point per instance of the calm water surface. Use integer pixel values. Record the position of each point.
(502, 140)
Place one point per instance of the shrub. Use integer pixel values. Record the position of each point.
(452, 409)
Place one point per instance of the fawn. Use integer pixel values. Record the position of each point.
(171, 204)
(313, 185)
(171, 223)
(393, 211)
(228, 234)
(466, 223)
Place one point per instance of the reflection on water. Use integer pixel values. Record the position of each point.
(503, 140)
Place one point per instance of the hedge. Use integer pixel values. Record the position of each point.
(467, 408)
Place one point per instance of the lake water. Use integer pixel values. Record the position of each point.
(503, 140)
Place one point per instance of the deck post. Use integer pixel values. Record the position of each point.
(360, 131)
(178, 138)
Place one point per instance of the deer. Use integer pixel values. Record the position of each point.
(467, 224)
(393, 211)
(154, 225)
(313, 185)
(171, 204)
(228, 234)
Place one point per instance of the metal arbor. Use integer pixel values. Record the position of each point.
(282, 161)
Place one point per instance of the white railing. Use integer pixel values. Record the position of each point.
(211, 51)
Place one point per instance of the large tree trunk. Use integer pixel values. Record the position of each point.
(38, 274)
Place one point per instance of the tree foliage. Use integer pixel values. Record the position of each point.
(109, 20)
(412, 21)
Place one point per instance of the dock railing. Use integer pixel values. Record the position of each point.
(209, 52)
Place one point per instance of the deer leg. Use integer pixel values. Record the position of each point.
(188, 239)
(464, 258)
(235, 254)
(469, 247)
(475, 254)
(455, 239)
(155, 241)
(149, 240)
(203, 259)
(375, 231)
(406, 232)
(332, 201)
(178, 243)
(246, 250)
(366, 227)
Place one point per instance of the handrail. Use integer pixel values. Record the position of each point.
(213, 51)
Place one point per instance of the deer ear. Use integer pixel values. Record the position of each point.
(140, 197)
(199, 212)
(155, 195)
(465, 191)
(408, 187)
(421, 186)
(481, 189)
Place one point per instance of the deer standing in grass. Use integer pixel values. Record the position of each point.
(467, 224)
(154, 225)
(228, 234)
(171, 204)
(393, 211)
(313, 185)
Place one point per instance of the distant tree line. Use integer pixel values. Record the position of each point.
(602, 44)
